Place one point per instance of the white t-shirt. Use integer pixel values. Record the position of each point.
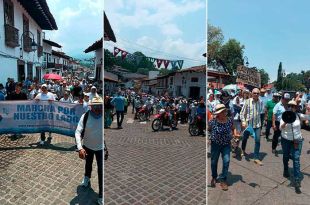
(288, 132)
(69, 100)
(93, 138)
(47, 96)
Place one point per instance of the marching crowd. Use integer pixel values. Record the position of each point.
(184, 109)
(236, 115)
(89, 128)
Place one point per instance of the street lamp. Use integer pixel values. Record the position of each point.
(34, 45)
(247, 61)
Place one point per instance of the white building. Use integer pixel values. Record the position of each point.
(48, 58)
(190, 83)
(23, 22)
(97, 47)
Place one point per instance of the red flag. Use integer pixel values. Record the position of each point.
(124, 54)
(159, 62)
(166, 63)
(116, 51)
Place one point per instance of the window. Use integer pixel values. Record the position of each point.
(44, 57)
(38, 38)
(29, 71)
(8, 12)
(49, 58)
(194, 80)
(171, 81)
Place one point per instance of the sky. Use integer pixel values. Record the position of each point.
(80, 24)
(271, 31)
(165, 29)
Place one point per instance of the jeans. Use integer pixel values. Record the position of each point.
(288, 149)
(237, 124)
(89, 165)
(216, 150)
(246, 135)
(119, 114)
(268, 127)
(43, 136)
(262, 119)
(276, 135)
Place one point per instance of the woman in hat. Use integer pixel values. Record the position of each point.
(221, 129)
(291, 141)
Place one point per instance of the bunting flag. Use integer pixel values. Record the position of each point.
(131, 57)
(124, 54)
(152, 59)
(173, 64)
(116, 51)
(137, 59)
(180, 63)
(159, 62)
(166, 63)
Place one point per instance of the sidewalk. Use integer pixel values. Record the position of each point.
(253, 184)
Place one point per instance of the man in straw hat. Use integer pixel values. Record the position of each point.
(90, 130)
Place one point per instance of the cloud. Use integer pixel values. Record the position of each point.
(170, 30)
(80, 23)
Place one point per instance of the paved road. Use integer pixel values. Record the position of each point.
(148, 168)
(51, 175)
(251, 184)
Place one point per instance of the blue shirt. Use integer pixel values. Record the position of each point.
(201, 111)
(119, 103)
(2, 96)
(221, 133)
(278, 110)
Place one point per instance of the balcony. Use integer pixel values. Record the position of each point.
(40, 51)
(11, 36)
(27, 43)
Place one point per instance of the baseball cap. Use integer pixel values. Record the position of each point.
(44, 85)
(286, 96)
(93, 87)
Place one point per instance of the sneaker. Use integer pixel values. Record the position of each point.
(224, 186)
(170, 129)
(257, 161)
(213, 182)
(243, 153)
(41, 142)
(286, 174)
(85, 181)
(99, 201)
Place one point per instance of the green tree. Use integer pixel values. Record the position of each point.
(231, 55)
(215, 41)
(279, 83)
(264, 77)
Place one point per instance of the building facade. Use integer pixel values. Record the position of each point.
(21, 45)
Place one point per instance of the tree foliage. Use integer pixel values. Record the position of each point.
(131, 65)
(264, 77)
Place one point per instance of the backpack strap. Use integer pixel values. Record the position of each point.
(84, 124)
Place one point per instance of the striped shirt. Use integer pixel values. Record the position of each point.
(250, 113)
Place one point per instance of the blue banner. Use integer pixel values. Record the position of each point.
(18, 117)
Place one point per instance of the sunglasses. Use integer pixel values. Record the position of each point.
(255, 93)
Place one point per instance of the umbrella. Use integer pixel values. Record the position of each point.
(52, 76)
(230, 87)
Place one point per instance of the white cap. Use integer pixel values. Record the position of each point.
(286, 96)
(93, 87)
(87, 94)
(44, 85)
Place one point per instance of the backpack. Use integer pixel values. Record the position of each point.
(106, 152)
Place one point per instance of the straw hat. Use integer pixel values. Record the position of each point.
(292, 102)
(96, 101)
(219, 108)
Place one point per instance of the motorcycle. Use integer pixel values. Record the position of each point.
(197, 126)
(162, 119)
(143, 113)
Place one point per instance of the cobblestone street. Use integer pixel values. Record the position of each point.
(259, 185)
(50, 175)
(153, 168)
